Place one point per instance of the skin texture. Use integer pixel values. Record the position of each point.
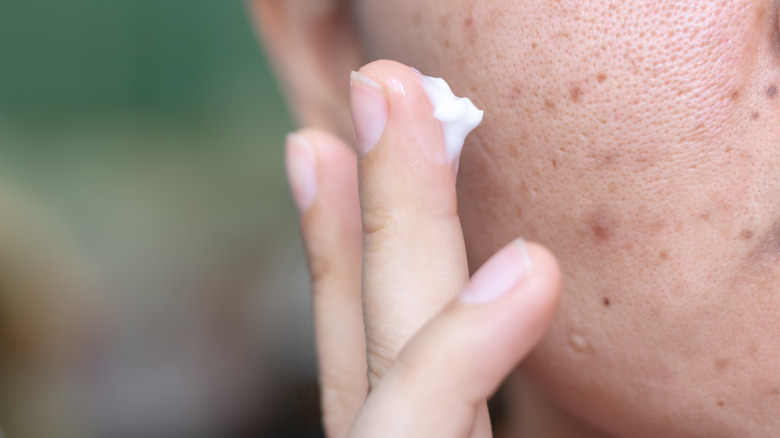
(637, 140)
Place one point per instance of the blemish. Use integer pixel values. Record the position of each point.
(607, 302)
(771, 92)
(602, 225)
(468, 22)
(601, 78)
(721, 364)
(746, 235)
(721, 403)
(549, 105)
(578, 343)
(555, 163)
(755, 116)
(664, 255)
(734, 95)
(705, 217)
(576, 93)
(769, 246)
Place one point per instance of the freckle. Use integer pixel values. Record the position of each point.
(721, 403)
(664, 255)
(607, 302)
(578, 343)
(601, 78)
(755, 116)
(771, 92)
(576, 93)
(602, 225)
(721, 364)
(746, 235)
(534, 45)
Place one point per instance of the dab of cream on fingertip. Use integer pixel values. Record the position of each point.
(458, 115)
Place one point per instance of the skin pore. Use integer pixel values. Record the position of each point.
(636, 140)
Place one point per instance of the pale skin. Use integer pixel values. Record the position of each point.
(635, 140)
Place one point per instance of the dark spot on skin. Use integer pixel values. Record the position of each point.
(746, 235)
(771, 92)
(555, 163)
(705, 217)
(664, 255)
(602, 225)
(734, 95)
(469, 22)
(607, 302)
(721, 403)
(534, 45)
(516, 92)
(601, 78)
(576, 93)
(755, 116)
(721, 364)
(769, 244)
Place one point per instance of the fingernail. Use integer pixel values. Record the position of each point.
(500, 275)
(302, 171)
(369, 111)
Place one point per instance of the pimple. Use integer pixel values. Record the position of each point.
(601, 78)
(578, 343)
(602, 224)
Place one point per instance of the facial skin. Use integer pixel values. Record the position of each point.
(637, 140)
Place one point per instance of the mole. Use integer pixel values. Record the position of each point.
(607, 302)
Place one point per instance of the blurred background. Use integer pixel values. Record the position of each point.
(151, 279)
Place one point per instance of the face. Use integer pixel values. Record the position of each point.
(638, 140)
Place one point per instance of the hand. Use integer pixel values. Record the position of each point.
(421, 349)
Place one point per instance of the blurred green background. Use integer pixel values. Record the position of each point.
(148, 134)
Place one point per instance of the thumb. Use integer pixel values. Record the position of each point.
(460, 357)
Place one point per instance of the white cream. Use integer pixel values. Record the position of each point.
(458, 115)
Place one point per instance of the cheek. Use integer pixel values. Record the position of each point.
(634, 139)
